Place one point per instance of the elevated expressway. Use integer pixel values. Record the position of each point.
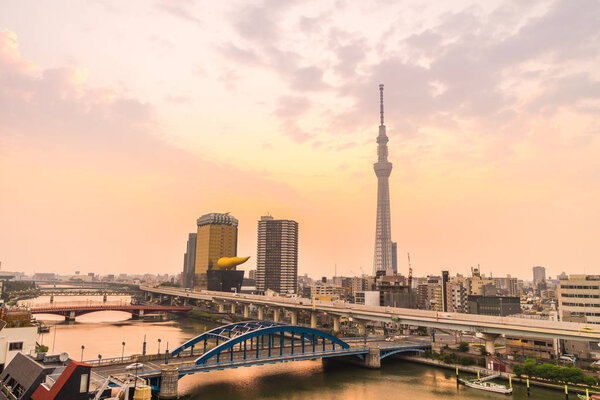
(486, 327)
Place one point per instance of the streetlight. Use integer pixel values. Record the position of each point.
(99, 358)
(123, 351)
(159, 345)
(82, 348)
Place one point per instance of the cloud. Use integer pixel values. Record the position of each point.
(178, 9)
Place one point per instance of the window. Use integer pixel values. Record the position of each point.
(83, 383)
(15, 346)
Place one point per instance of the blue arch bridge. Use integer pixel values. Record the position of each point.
(245, 344)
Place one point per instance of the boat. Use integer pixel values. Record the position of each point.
(592, 397)
(487, 386)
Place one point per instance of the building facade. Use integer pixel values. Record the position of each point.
(277, 255)
(216, 238)
(539, 274)
(494, 305)
(189, 262)
(579, 297)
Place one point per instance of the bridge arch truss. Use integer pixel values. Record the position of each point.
(260, 340)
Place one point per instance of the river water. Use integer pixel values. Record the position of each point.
(103, 333)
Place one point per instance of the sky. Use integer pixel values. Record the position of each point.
(123, 122)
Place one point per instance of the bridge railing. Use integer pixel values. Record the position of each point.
(88, 303)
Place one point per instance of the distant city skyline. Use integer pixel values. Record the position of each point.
(112, 142)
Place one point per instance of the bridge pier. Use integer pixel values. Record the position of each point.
(261, 313)
(232, 308)
(336, 323)
(246, 311)
(490, 339)
(221, 307)
(276, 314)
(313, 319)
(168, 383)
(70, 317)
(373, 359)
(362, 327)
(294, 316)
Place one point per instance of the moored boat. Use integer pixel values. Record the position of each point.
(487, 386)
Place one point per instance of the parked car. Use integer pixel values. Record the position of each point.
(566, 358)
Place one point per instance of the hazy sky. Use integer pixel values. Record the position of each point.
(121, 122)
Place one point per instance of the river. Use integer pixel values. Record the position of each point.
(104, 332)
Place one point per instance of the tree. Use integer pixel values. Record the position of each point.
(463, 347)
(529, 368)
(518, 370)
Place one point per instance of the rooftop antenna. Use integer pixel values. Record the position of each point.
(381, 103)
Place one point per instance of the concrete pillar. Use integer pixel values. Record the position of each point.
(373, 359)
(336, 323)
(51, 298)
(141, 313)
(276, 314)
(168, 383)
(71, 316)
(490, 339)
(362, 327)
(172, 301)
(261, 313)
(233, 308)
(221, 307)
(294, 317)
(246, 311)
(104, 298)
(185, 301)
(313, 319)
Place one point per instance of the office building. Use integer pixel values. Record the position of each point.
(579, 299)
(539, 274)
(367, 298)
(277, 255)
(216, 238)
(189, 262)
(383, 230)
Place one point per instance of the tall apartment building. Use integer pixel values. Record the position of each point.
(277, 255)
(507, 286)
(189, 262)
(216, 238)
(579, 298)
(539, 274)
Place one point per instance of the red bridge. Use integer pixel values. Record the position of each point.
(72, 311)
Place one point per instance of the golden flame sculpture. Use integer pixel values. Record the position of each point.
(229, 263)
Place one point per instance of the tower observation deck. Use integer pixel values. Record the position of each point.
(382, 260)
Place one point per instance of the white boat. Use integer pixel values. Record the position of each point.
(487, 386)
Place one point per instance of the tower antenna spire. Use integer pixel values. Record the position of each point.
(381, 103)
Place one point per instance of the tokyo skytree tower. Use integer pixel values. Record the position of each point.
(383, 231)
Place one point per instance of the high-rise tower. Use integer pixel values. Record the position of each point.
(277, 255)
(383, 231)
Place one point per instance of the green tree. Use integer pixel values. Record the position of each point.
(463, 347)
(518, 370)
(529, 368)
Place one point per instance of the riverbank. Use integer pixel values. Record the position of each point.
(502, 375)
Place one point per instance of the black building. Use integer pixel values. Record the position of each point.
(494, 305)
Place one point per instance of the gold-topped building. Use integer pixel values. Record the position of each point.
(216, 238)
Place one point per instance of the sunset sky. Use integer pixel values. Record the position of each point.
(121, 122)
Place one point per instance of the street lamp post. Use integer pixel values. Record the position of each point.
(82, 348)
(123, 351)
(99, 358)
(158, 346)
